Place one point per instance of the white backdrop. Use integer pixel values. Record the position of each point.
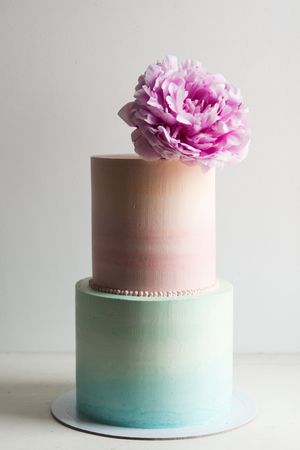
(66, 69)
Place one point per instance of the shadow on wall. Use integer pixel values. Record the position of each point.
(29, 400)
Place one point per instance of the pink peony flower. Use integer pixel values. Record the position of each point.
(183, 112)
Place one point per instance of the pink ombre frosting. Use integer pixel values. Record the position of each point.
(153, 225)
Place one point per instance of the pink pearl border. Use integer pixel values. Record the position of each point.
(137, 293)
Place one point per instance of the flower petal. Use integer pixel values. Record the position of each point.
(142, 146)
(126, 113)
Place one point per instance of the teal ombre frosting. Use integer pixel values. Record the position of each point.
(153, 362)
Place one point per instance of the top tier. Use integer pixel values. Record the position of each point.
(153, 226)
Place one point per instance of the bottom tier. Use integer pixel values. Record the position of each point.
(157, 362)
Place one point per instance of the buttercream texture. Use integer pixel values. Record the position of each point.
(153, 225)
(153, 363)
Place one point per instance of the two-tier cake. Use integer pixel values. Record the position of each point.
(154, 326)
(153, 323)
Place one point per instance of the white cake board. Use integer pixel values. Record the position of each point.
(64, 410)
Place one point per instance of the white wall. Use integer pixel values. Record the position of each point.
(66, 68)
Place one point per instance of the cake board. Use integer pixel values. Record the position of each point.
(64, 411)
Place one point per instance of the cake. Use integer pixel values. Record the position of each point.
(153, 322)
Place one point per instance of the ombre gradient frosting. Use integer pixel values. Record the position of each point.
(153, 225)
(153, 363)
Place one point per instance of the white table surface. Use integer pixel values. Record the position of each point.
(29, 382)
